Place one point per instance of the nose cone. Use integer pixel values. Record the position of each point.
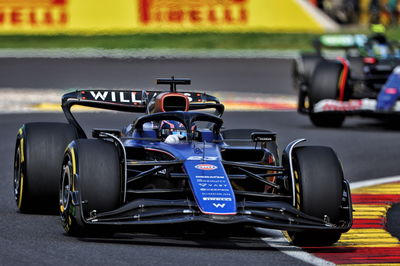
(211, 187)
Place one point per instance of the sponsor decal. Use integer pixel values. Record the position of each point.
(201, 158)
(214, 189)
(204, 12)
(23, 13)
(201, 146)
(206, 167)
(352, 105)
(210, 176)
(217, 199)
(112, 96)
(219, 205)
(135, 97)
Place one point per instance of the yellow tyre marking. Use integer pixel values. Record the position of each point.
(296, 176)
(73, 161)
(21, 147)
(21, 187)
(21, 178)
(73, 167)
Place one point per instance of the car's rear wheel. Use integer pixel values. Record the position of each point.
(38, 157)
(319, 188)
(303, 68)
(325, 85)
(91, 169)
(357, 67)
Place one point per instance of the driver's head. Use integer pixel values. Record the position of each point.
(172, 127)
(378, 43)
(380, 50)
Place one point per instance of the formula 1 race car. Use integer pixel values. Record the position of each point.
(175, 168)
(364, 82)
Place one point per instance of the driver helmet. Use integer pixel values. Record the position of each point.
(380, 50)
(380, 47)
(170, 101)
(172, 127)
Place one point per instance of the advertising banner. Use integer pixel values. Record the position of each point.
(128, 16)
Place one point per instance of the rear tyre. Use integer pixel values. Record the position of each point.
(91, 168)
(325, 85)
(357, 67)
(319, 188)
(303, 68)
(38, 156)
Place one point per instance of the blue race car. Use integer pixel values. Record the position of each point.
(364, 82)
(175, 169)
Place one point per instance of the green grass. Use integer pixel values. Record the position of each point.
(169, 40)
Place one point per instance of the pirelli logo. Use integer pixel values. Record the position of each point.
(33, 13)
(211, 12)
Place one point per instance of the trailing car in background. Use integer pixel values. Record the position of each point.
(175, 168)
(362, 82)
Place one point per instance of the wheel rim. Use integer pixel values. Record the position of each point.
(65, 189)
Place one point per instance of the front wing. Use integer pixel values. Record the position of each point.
(279, 215)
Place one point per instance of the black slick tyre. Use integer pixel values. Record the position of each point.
(319, 188)
(357, 67)
(325, 85)
(90, 172)
(303, 69)
(39, 153)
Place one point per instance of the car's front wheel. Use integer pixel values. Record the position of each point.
(91, 174)
(319, 188)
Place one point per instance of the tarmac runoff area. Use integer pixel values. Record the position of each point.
(48, 100)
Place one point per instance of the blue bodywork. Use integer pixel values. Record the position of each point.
(390, 92)
(202, 163)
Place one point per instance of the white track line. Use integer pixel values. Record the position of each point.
(374, 182)
(279, 242)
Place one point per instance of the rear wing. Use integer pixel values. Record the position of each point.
(342, 41)
(129, 101)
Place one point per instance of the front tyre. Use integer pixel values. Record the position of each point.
(319, 188)
(90, 173)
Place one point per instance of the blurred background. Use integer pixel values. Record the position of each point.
(222, 24)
